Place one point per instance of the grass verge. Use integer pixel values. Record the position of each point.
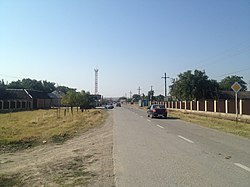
(26, 129)
(6, 181)
(228, 126)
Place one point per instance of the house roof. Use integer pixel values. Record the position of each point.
(56, 95)
(22, 94)
(14, 94)
(38, 94)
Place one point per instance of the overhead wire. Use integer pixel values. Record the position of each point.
(231, 73)
(228, 56)
(10, 76)
(242, 48)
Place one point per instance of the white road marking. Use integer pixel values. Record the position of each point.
(148, 120)
(160, 126)
(242, 166)
(141, 116)
(190, 141)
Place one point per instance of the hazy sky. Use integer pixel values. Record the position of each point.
(132, 42)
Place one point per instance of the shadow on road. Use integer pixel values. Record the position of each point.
(169, 117)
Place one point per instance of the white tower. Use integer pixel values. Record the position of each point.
(96, 81)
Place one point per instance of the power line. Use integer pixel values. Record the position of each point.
(10, 76)
(242, 70)
(223, 57)
(28, 77)
(242, 48)
(228, 52)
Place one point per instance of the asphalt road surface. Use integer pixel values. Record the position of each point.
(170, 152)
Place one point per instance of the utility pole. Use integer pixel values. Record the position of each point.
(165, 77)
(139, 90)
(130, 93)
(151, 93)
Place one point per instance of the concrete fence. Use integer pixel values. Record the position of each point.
(227, 107)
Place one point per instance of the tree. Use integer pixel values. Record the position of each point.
(2, 85)
(15, 85)
(49, 86)
(86, 101)
(213, 90)
(151, 95)
(69, 99)
(190, 86)
(44, 86)
(136, 97)
(73, 98)
(122, 99)
(227, 82)
(160, 97)
(32, 84)
(64, 89)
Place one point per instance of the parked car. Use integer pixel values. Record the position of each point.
(156, 110)
(118, 104)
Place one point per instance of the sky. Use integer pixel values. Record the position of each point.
(132, 42)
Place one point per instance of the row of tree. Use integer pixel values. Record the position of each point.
(195, 85)
(32, 84)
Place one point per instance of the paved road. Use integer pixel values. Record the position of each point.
(170, 152)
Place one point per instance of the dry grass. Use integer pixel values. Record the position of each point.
(24, 129)
(229, 126)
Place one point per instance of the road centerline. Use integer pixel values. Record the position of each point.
(242, 166)
(160, 126)
(190, 141)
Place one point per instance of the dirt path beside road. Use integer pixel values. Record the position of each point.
(86, 160)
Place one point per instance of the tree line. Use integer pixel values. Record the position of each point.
(32, 84)
(196, 85)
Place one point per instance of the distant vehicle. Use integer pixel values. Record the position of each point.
(118, 104)
(156, 110)
(109, 106)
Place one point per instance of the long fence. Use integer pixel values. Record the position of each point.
(212, 106)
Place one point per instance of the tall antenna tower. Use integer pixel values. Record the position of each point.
(96, 81)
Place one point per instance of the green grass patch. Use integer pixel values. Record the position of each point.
(7, 180)
(20, 130)
(228, 126)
